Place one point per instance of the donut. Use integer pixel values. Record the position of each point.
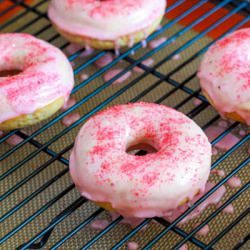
(35, 80)
(106, 24)
(224, 75)
(175, 168)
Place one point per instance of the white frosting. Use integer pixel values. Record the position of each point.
(225, 74)
(105, 20)
(46, 75)
(140, 186)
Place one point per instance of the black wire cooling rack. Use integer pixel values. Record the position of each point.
(40, 207)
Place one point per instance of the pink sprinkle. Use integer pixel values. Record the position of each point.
(176, 57)
(84, 77)
(132, 245)
(204, 230)
(14, 140)
(112, 73)
(224, 144)
(218, 172)
(184, 247)
(73, 48)
(197, 102)
(99, 224)
(86, 52)
(234, 182)
(104, 60)
(214, 151)
(155, 43)
(1, 133)
(70, 119)
(242, 132)
(223, 124)
(229, 209)
(147, 62)
(68, 104)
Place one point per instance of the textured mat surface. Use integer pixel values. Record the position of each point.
(32, 194)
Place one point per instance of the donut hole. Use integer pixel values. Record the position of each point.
(12, 72)
(141, 149)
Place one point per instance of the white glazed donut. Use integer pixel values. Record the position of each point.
(225, 76)
(140, 186)
(106, 24)
(45, 80)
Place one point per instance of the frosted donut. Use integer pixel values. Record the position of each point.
(140, 186)
(225, 76)
(106, 24)
(41, 85)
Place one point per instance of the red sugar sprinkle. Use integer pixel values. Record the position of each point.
(100, 150)
(150, 178)
(128, 168)
(236, 37)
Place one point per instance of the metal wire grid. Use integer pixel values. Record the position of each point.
(38, 146)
